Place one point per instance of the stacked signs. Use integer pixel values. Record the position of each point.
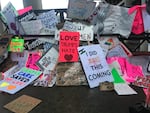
(95, 65)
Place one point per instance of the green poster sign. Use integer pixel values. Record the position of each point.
(16, 45)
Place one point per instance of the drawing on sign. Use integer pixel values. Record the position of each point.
(10, 13)
(68, 57)
(69, 41)
(17, 81)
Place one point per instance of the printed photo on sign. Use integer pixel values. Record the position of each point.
(94, 65)
(17, 81)
(49, 60)
(68, 44)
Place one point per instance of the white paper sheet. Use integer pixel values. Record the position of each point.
(124, 89)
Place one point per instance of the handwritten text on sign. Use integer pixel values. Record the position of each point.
(33, 57)
(69, 42)
(94, 65)
(49, 60)
(15, 82)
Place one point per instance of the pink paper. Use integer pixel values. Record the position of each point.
(129, 71)
(22, 11)
(32, 59)
(132, 72)
(138, 24)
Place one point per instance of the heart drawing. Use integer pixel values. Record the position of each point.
(68, 57)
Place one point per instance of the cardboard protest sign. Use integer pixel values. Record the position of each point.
(22, 104)
(94, 65)
(17, 81)
(33, 57)
(49, 60)
(69, 41)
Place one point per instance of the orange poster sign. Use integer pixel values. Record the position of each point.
(69, 42)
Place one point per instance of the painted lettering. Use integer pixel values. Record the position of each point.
(73, 38)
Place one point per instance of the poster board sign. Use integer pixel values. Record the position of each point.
(48, 19)
(94, 65)
(117, 51)
(69, 41)
(20, 57)
(17, 81)
(32, 27)
(16, 45)
(85, 30)
(47, 79)
(33, 57)
(49, 60)
(80, 9)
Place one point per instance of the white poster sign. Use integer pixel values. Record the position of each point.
(48, 19)
(10, 14)
(94, 65)
(32, 27)
(48, 60)
(86, 31)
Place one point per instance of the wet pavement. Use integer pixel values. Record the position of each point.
(75, 99)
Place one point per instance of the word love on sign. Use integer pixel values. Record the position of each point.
(17, 81)
(69, 42)
(94, 65)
